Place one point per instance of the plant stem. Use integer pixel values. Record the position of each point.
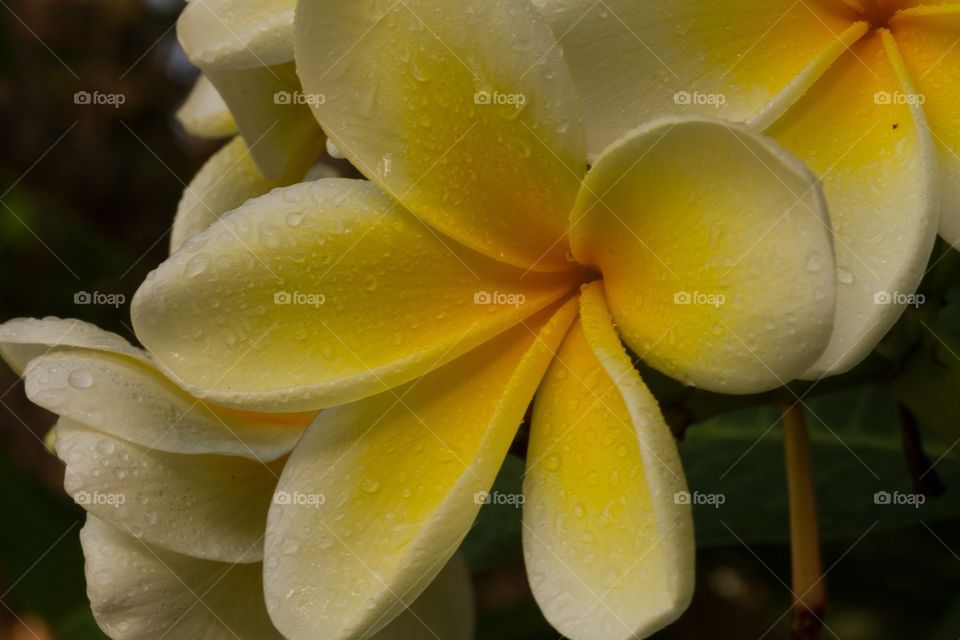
(809, 588)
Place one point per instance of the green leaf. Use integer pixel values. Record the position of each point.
(855, 437)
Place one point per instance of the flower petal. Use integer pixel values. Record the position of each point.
(206, 506)
(228, 179)
(131, 400)
(282, 135)
(714, 246)
(23, 339)
(231, 318)
(633, 61)
(140, 591)
(204, 113)
(928, 43)
(608, 547)
(237, 34)
(879, 172)
(398, 474)
(483, 142)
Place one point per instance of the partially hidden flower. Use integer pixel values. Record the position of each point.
(177, 493)
(482, 264)
(865, 92)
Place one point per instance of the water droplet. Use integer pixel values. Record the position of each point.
(80, 379)
(196, 265)
(294, 219)
(106, 447)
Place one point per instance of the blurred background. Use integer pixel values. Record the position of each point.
(87, 195)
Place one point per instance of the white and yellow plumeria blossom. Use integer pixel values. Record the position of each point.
(480, 264)
(177, 493)
(866, 92)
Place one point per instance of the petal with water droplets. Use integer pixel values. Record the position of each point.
(469, 117)
(207, 505)
(636, 60)
(130, 399)
(389, 486)
(717, 262)
(23, 339)
(228, 179)
(928, 42)
(608, 546)
(322, 293)
(140, 591)
(237, 34)
(858, 131)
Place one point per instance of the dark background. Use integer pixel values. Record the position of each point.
(88, 194)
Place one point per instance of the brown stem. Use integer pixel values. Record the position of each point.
(809, 587)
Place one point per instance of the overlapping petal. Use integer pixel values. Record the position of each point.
(204, 113)
(468, 117)
(323, 293)
(634, 61)
(927, 39)
(23, 339)
(207, 505)
(717, 264)
(130, 399)
(140, 591)
(861, 130)
(399, 475)
(272, 116)
(228, 179)
(237, 34)
(608, 547)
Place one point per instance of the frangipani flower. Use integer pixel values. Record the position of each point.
(480, 264)
(865, 92)
(177, 493)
